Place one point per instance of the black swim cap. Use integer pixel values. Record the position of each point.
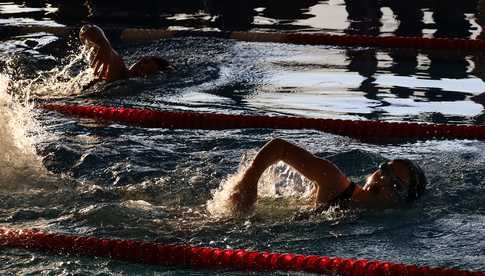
(417, 180)
(163, 64)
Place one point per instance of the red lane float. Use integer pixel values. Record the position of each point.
(455, 44)
(136, 34)
(211, 258)
(195, 120)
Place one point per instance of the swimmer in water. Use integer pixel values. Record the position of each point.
(396, 183)
(107, 63)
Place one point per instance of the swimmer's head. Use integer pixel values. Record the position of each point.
(397, 181)
(149, 65)
(92, 35)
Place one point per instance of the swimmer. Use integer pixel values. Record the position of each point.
(107, 63)
(396, 183)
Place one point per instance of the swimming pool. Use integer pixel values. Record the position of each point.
(84, 177)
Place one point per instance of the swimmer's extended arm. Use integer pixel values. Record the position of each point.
(330, 180)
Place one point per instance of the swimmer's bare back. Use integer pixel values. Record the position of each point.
(107, 63)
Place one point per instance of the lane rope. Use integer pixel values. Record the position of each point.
(211, 258)
(215, 258)
(359, 129)
(455, 44)
(138, 34)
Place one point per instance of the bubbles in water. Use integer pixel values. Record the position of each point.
(281, 191)
(281, 180)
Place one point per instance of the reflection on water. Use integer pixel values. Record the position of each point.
(157, 184)
(447, 18)
(370, 17)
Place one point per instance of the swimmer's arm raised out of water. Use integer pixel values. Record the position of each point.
(330, 180)
(107, 63)
(103, 59)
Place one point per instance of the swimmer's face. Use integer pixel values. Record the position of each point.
(92, 36)
(389, 183)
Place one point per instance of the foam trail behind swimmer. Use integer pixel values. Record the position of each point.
(20, 166)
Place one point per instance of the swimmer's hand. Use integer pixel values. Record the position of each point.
(103, 59)
(92, 35)
(244, 198)
(99, 60)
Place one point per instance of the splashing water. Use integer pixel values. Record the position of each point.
(281, 191)
(220, 205)
(19, 132)
(59, 82)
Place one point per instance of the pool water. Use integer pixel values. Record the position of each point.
(84, 177)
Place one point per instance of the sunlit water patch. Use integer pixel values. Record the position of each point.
(470, 85)
(18, 15)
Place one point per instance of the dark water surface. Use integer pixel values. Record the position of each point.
(84, 177)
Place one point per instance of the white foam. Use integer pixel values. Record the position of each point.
(220, 205)
(59, 82)
(20, 166)
(281, 191)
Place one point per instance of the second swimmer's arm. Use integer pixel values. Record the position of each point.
(323, 172)
(103, 59)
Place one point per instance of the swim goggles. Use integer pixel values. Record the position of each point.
(398, 184)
